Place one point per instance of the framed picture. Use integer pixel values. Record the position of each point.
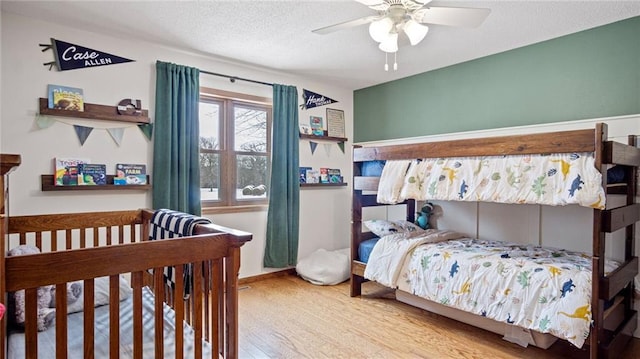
(335, 122)
(305, 129)
(316, 125)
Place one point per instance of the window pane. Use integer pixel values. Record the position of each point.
(209, 176)
(210, 125)
(251, 177)
(250, 129)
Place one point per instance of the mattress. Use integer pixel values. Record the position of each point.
(542, 289)
(47, 340)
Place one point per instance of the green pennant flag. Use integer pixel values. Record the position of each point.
(341, 145)
(147, 130)
(82, 132)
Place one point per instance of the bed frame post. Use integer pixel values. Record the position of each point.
(355, 284)
(598, 246)
(7, 164)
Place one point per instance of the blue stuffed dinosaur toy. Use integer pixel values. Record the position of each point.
(422, 219)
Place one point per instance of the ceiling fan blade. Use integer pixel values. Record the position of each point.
(451, 16)
(345, 25)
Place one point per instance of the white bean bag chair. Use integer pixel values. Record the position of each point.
(324, 267)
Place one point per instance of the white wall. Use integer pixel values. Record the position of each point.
(325, 214)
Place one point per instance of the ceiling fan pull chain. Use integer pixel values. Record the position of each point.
(386, 61)
(395, 61)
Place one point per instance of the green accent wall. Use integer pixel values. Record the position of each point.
(589, 74)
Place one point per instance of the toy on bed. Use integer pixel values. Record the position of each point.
(422, 217)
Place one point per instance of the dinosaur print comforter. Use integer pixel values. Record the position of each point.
(542, 289)
(556, 179)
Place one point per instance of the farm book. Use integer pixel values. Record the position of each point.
(65, 98)
(90, 174)
(66, 170)
(126, 169)
(130, 180)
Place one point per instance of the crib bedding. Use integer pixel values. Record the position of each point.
(543, 289)
(555, 179)
(46, 339)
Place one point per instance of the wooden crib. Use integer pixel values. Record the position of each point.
(87, 246)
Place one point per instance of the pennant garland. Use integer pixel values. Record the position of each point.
(341, 145)
(327, 149)
(313, 146)
(116, 134)
(312, 99)
(82, 132)
(68, 56)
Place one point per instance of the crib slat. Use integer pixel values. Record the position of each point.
(54, 241)
(23, 238)
(89, 318)
(114, 316)
(197, 308)
(39, 240)
(158, 281)
(217, 339)
(31, 322)
(179, 311)
(83, 238)
(120, 234)
(61, 321)
(67, 235)
(96, 236)
(136, 283)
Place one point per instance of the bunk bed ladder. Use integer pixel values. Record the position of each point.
(614, 326)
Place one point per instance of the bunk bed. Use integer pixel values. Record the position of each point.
(610, 307)
(99, 286)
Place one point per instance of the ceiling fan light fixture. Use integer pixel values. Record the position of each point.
(380, 29)
(415, 31)
(423, 2)
(390, 44)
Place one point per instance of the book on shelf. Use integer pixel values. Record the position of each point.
(130, 174)
(130, 180)
(313, 176)
(303, 174)
(334, 175)
(66, 170)
(92, 174)
(65, 98)
(317, 128)
(324, 175)
(126, 169)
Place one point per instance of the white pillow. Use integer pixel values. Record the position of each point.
(383, 227)
(101, 293)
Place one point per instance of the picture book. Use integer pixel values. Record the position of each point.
(65, 98)
(66, 170)
(130, 180)
(125, 169)
(303, 174)
(334, 175)
(324, 175)
(313, 176)
(316, 125)
(90, 174)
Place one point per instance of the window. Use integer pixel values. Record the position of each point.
(235, 147)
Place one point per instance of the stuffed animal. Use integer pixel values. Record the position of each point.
(422, 217)
(16, 302)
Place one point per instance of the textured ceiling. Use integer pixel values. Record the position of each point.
(277, 34)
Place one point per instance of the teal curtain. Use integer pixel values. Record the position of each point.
(284, 191)
(176, 169)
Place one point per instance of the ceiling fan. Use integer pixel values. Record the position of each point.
(409, 17)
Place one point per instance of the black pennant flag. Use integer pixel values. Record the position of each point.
(312, 99)
(70, 56)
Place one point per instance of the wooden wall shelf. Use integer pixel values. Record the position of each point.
(94, 112)
(48, 185)
(323, 138)
(322, 185)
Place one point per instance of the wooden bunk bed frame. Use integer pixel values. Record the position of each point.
(115, 243)
(611, 329)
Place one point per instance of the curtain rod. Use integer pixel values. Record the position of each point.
(234, 78)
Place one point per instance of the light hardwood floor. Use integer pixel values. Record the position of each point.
(286, 317)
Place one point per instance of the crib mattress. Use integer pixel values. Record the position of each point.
(47, 340)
